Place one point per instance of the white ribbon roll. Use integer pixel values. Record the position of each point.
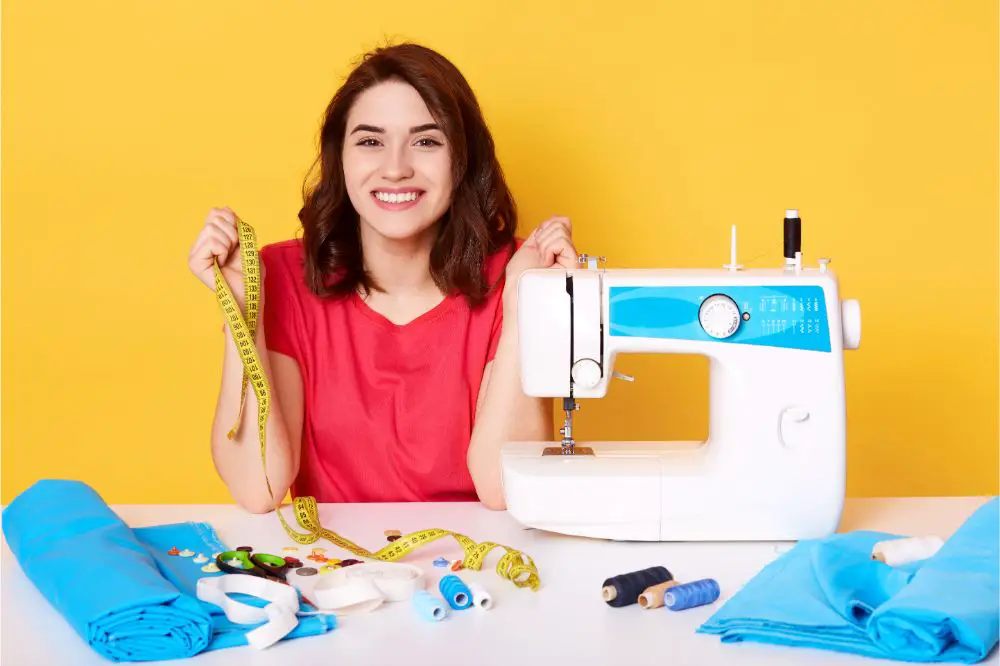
(280, 614)
(361, 588)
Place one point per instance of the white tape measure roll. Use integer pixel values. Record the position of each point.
(361, 588)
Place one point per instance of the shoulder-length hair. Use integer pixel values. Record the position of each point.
(482, 217)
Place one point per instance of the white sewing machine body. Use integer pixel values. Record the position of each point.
(774, 463)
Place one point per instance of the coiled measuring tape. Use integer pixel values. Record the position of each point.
(513, 565)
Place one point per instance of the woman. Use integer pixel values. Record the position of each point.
(390, 326)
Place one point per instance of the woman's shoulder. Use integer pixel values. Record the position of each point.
(283, 251)
(285, 257)
(283, 263)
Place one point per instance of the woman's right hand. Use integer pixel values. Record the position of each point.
(218, 240)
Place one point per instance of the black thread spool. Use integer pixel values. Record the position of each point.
(625, 589)
(793, 235)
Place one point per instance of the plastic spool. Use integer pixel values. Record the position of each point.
(689, 595)
(480, 597)
(896, 552)
(455, 592)
(624, 589)
(429, 607)
(652, 597)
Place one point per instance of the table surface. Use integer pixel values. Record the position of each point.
(565, 618)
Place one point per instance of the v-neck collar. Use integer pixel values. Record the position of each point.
(441, 308)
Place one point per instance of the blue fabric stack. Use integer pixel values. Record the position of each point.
(830, 594)
(117, 586)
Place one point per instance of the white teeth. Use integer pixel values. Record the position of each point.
(395, 198)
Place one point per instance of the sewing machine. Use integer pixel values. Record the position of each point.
(773, 464)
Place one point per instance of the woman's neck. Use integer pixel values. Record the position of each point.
(399, 267)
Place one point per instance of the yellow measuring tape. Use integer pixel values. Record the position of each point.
(514, 565)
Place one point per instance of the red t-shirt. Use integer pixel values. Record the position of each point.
(389, 409)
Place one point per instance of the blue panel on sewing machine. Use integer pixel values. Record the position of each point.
(792, 317)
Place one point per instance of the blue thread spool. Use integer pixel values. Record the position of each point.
(689, 595)
(429, 607)
(455, 592)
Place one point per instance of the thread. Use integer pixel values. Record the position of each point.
(896, 552)
(624, 589)
(429, 607)
(480, 597)
(455, 592)
(689, 595)
(652, 597)
(793, 235)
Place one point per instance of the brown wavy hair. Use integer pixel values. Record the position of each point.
(482, 217)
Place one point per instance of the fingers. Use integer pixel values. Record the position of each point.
(555, 245)
(547, 226)
(226, 214)
(559, 251)
(227, 228)
(218, 239)
(213, 242)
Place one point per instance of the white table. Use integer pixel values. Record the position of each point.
(566, 619)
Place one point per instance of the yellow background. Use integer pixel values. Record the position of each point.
(655, 127)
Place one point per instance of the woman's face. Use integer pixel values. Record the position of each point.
(397, 163)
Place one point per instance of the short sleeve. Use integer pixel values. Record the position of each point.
(282, 316)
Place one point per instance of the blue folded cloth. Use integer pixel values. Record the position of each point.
(830, 594)
(116, 586)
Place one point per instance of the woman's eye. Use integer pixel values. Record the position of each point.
(368, 141)
(427, 141)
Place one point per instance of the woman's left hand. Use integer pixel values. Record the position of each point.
(549, 245)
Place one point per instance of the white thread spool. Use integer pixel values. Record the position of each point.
(480, 597)
(896, 552)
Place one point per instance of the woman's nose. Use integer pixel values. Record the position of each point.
(397, 164)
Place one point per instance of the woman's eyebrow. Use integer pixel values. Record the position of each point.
(424, 128)
(380, 130)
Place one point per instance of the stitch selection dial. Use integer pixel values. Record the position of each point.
(719, 316)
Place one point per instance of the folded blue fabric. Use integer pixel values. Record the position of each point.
(116, 586)
(830, 594)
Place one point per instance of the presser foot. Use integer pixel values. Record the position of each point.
(569, 447)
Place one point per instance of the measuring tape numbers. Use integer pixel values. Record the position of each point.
(513, 565)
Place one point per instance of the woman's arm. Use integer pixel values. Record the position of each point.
(504, 412)
(238, 461)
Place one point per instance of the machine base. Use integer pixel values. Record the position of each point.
(673, 491)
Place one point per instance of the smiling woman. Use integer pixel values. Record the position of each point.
(389, 328)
